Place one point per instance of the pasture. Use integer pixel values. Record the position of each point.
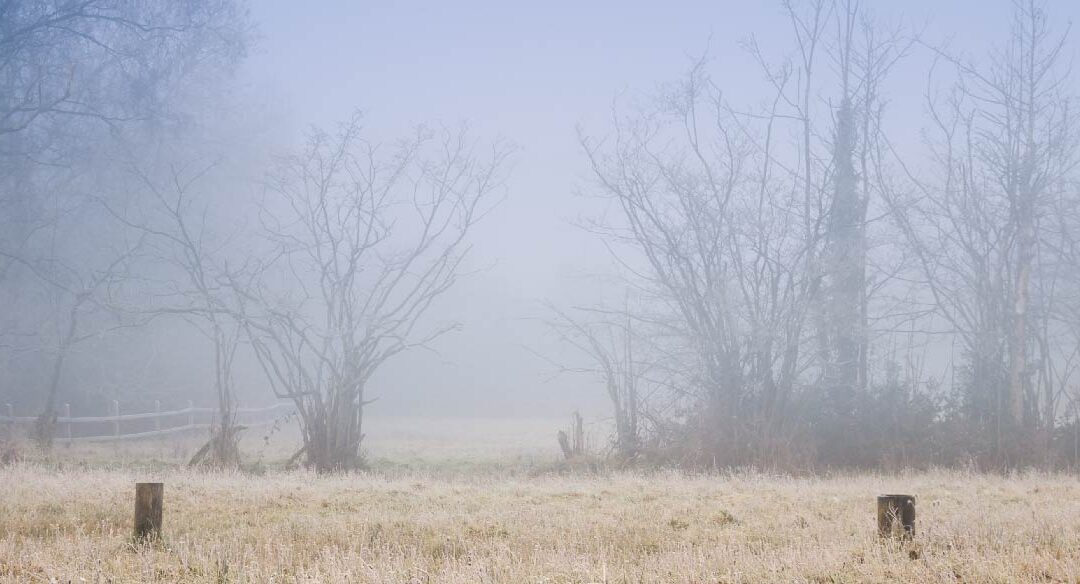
(509, 517)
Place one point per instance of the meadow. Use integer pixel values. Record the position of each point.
(513, 516)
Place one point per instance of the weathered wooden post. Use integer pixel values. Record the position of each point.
(67, 419)
(579, 435)
(896, 513)
(148, 499)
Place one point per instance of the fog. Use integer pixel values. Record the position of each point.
(533, 74)
(569, 119)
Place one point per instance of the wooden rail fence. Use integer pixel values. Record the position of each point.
(147, 424)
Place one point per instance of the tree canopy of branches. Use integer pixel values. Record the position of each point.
(77, 76)
(365, 239)
(748, 228)
(757, 233)
(987, 226)
(109, 60)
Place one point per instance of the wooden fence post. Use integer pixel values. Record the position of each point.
(579, 435)
(148, 500)
(116, 420)
(67, 425)
(896, 513)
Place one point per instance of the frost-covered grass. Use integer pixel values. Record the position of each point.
(408, 526)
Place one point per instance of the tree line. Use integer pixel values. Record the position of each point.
(801, 289)
(806, 292)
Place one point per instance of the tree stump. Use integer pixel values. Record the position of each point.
(564, 444)
(148, 499)
(896, 516)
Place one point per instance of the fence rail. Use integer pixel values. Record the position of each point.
(251, 417)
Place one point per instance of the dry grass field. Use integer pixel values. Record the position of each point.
(67, 522)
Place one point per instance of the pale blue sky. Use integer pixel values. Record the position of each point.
(530, 72)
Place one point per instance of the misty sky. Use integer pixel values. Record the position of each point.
(531, 72)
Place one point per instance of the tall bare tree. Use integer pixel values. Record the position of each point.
(193, 280)
(366, 238)
(757, 244)
(863, 55)
(1006, 152)
(76, 75)
(712, 224)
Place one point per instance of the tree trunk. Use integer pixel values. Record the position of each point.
(845, 268)
(1018, 334)
(222, 450)
(45, 425)
(332, 433)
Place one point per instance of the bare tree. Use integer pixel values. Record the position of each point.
(81, 293)
(704, 204)
(366, 238)
(862, 55)
(1006, 149)
(195, 283)
(77, 77)
(754, 242)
